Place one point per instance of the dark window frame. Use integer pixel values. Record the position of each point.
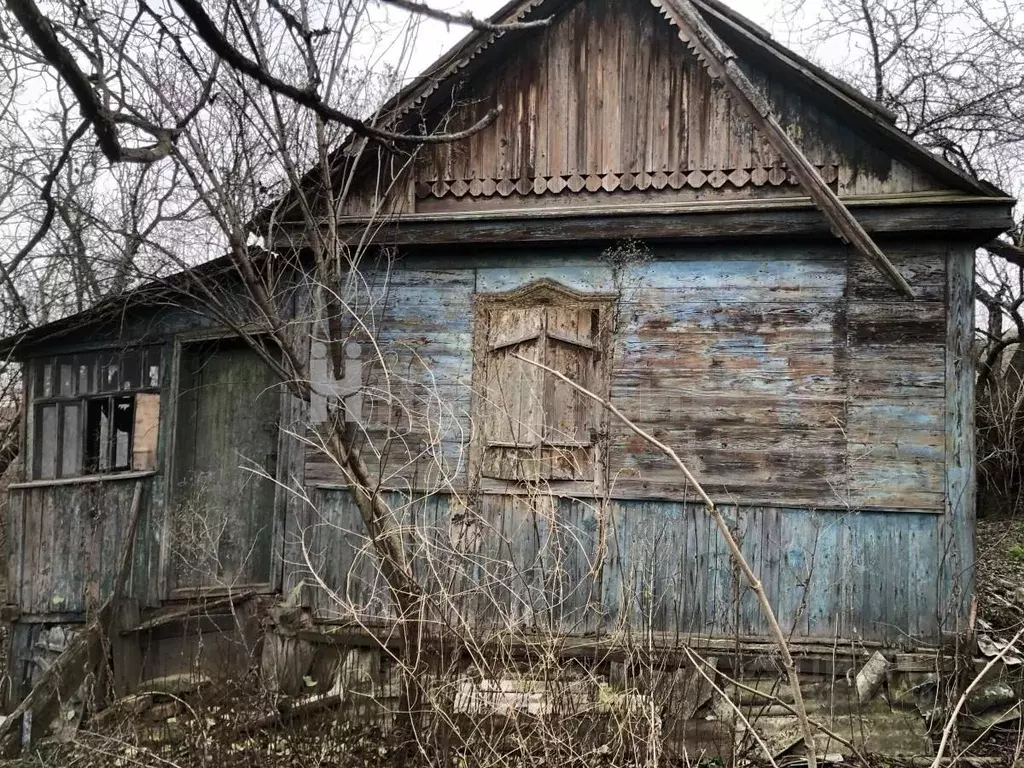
(74, 382)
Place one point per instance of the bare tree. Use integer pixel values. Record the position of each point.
(952, 74)
(204, 117)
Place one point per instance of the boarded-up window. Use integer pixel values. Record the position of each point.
(533, 425)
(95, 413)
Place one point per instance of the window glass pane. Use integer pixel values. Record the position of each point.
(44, 383)
(108, 372)
(66, 372)
(97, 435)
(152, 367)
(124, 419)
(131, 370)
(37, 378)
(46, 442)
(71, 453)
(111, 375)
(96, 368)
(84, 378)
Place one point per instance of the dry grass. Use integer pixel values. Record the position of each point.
(1000, 562)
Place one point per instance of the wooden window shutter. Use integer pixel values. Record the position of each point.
(146, 431)
(536, 426)
(566, 452)
(513, 413)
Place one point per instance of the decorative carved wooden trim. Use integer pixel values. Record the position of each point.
(720, 62)
(541, 292)
(542, 185)
(543, 295)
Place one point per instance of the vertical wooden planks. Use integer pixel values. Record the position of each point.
(610, 91)
(617, 587)
(957, 544)
(555, 128)
(341, 561)
(607, 100)
(15, 542)
(30, 512)
(681, 603)
(225, 499)
(638, 95)
(537, 155)
(823, 568)
(792, 551)
(69, 545)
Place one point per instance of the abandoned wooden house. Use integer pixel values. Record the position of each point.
(743, 255)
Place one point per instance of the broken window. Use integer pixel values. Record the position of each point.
(534, 425)
(95, 413)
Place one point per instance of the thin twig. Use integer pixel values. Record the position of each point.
(697, 662)
(773, 699)
(217, 42)
(730, 540)
(951, 721)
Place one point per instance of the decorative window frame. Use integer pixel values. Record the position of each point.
(541, 454)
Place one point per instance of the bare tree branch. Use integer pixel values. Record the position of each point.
(219, 44)
(734, 548)
(466, 19)
(104, 122)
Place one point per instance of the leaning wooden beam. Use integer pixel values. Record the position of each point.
(720, 62)
(80, 658)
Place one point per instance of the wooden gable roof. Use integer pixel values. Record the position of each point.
(627, 102)
(619, 106)
(607, 98)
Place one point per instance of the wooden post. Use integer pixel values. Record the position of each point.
(125, 652)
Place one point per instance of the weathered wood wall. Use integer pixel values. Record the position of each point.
(584, 567)
(793, 382)
(828, 414)
(958, 544)
(609, 104)
(785, 375)
(65, 537)
(227, 430)
(65, 542)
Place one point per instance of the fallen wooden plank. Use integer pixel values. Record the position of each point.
(190, 611)
(292, 711)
